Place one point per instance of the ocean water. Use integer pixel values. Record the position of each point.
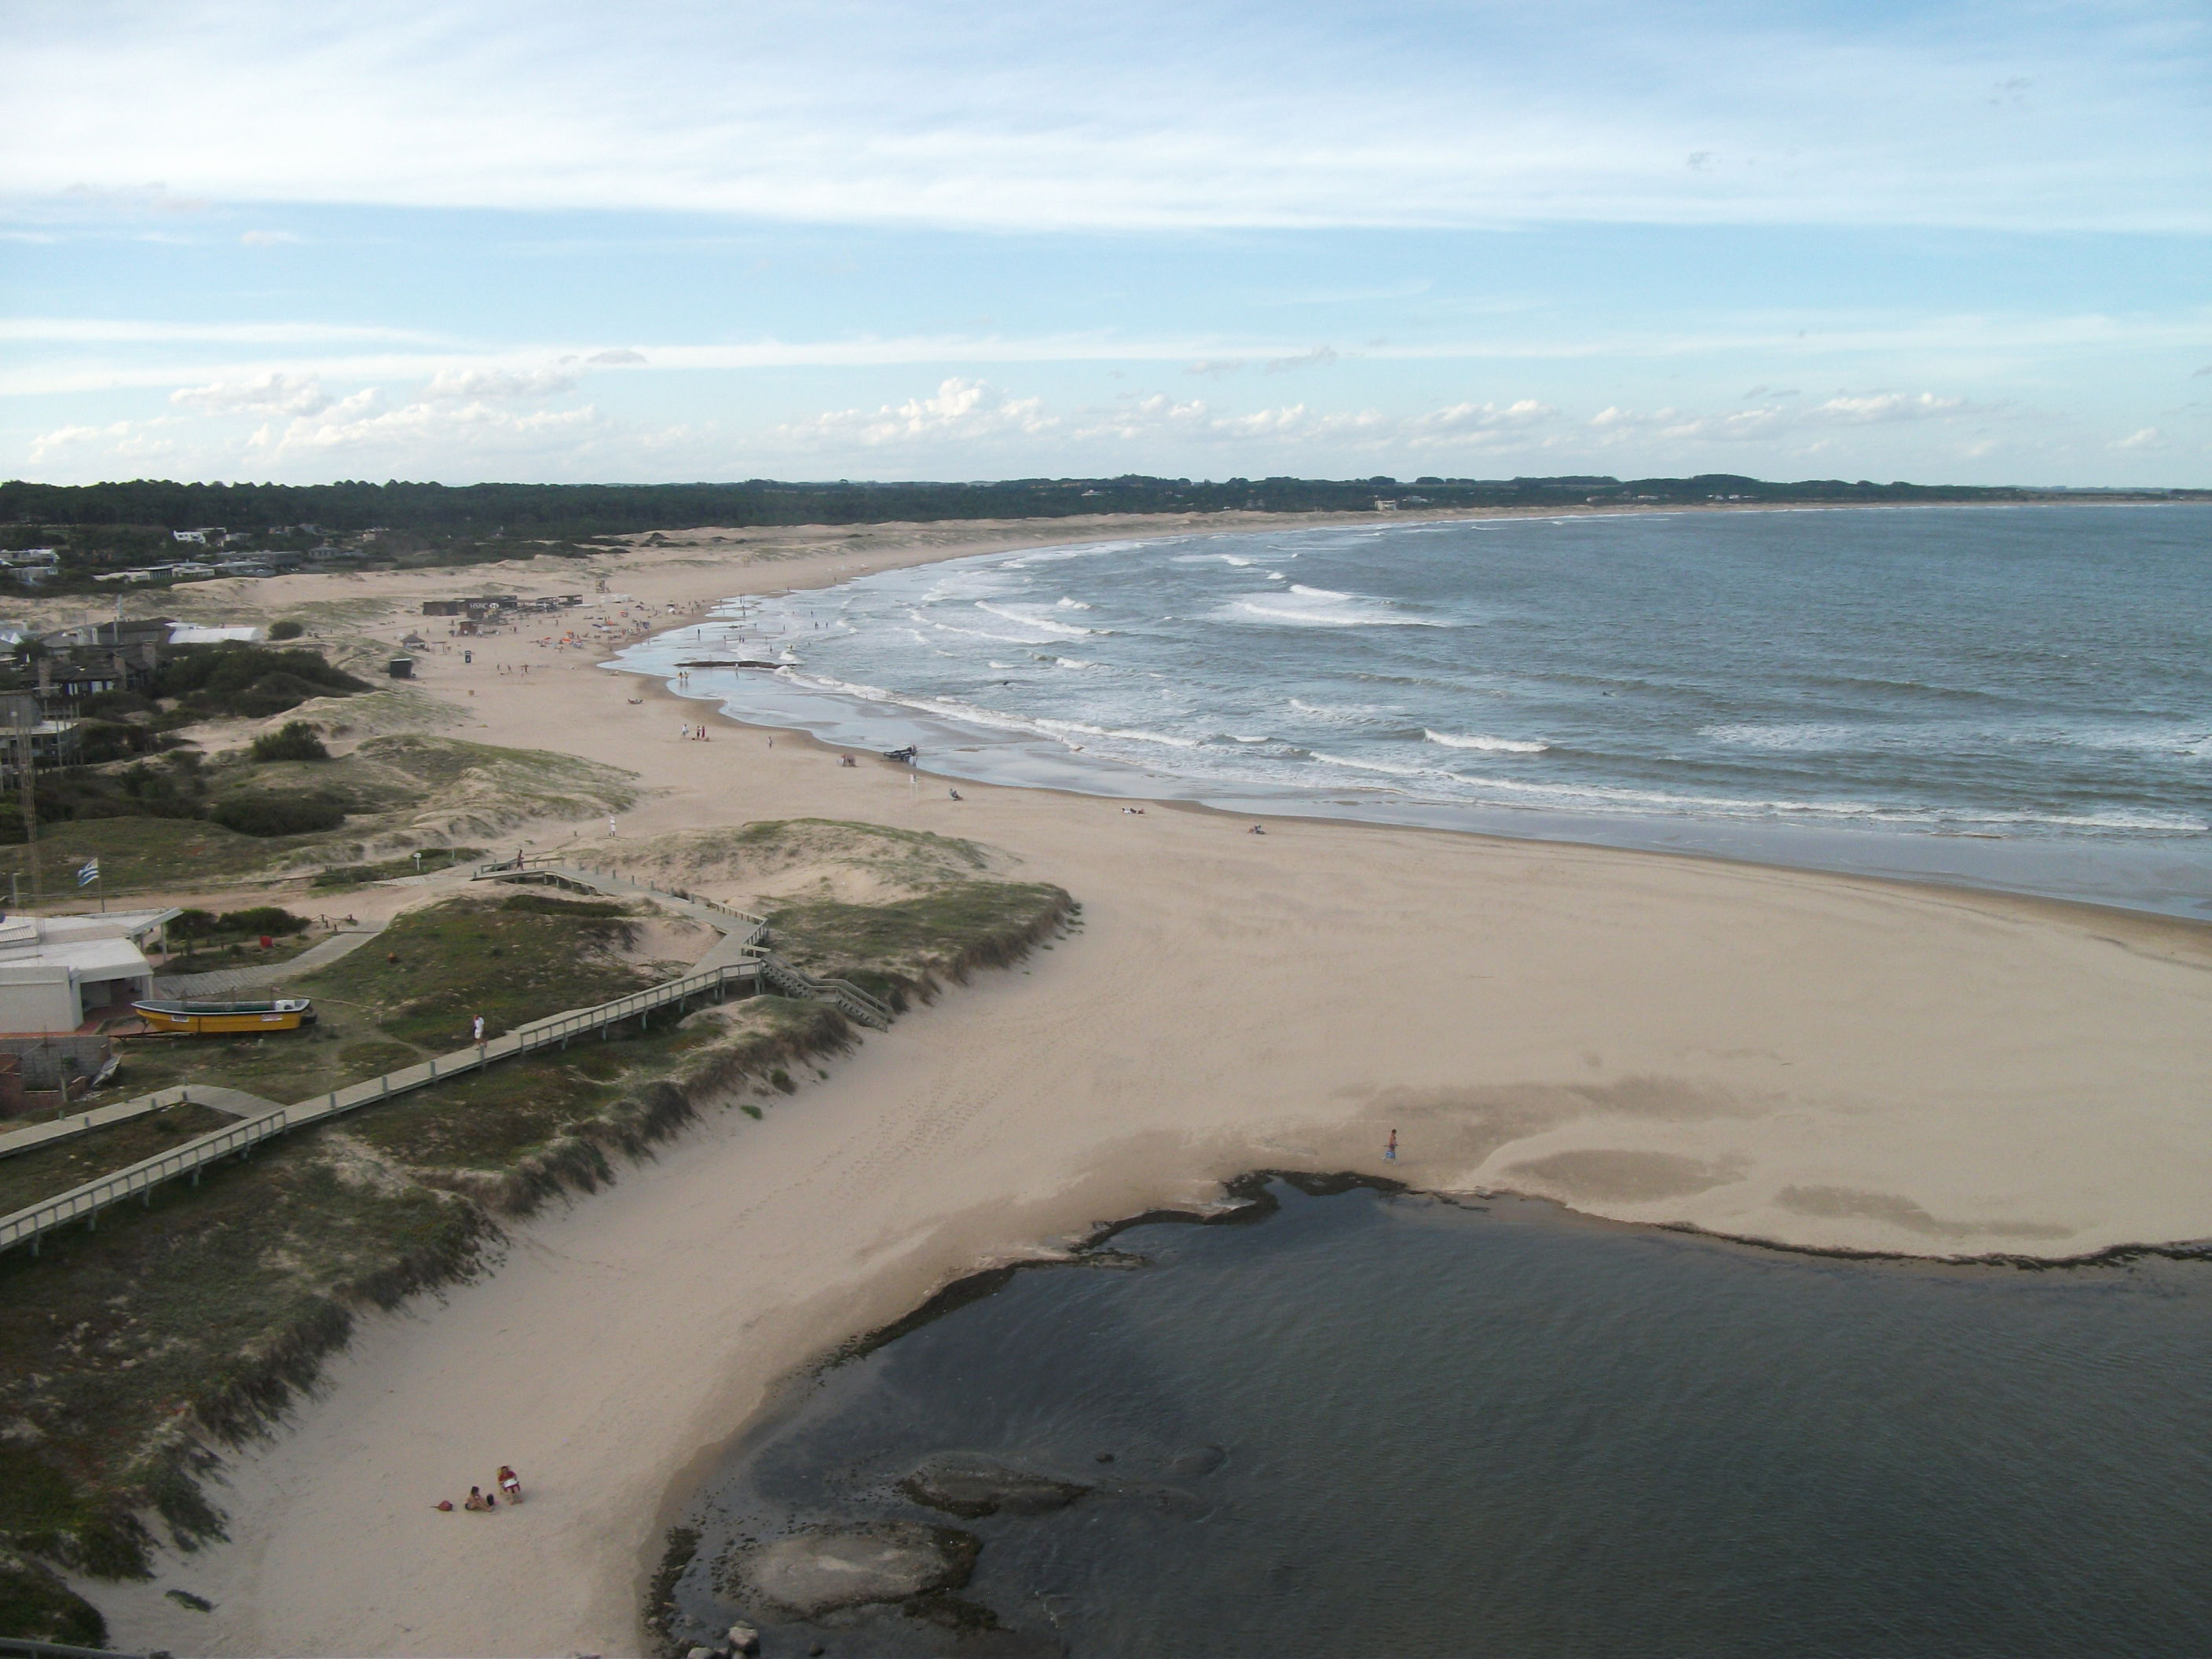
(1370, 1425)
(2017, 696)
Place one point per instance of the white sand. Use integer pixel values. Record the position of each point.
(1808, 1059)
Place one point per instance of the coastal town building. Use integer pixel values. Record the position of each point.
(55, 970)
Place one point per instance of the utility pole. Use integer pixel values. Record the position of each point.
(24, 713)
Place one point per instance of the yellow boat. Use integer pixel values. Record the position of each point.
(227, 1019)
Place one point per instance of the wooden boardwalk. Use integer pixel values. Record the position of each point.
(740, 959)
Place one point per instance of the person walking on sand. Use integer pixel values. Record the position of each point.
(1390, 1151)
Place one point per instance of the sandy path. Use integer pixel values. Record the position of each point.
(1810, 1058)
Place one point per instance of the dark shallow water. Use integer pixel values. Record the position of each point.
(1505, 1430)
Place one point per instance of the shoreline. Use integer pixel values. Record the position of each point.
(1846, 1063)
(2166, 874)
(1199, 1346)
(2054, 907)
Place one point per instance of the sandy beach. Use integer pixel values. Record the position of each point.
(1818, 1062)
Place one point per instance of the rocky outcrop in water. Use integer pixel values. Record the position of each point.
(823, 1569)
(963, 1484)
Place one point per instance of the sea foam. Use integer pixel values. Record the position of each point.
(1496, 745)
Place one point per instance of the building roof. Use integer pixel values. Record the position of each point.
(45, 950)
(82, 959)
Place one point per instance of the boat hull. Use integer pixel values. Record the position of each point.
(225, 1019)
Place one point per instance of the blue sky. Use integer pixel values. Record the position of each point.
(491, 240)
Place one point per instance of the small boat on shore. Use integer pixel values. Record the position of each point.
(226, 1018)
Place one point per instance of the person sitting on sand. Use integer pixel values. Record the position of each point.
(511, 1484)
(475, 1500)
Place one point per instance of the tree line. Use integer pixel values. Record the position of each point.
(514, 510)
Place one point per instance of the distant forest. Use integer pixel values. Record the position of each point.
(493, 512)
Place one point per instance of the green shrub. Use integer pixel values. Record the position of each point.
(279, 814)
(271, 919)
(287, 630)
(295, 740)
(36, 1606)
(251, 680)
(106, 705)
(101, 741)
(538, 904)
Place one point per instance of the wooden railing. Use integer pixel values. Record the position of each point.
(553, 866)
(760, 967)
(26, 1226)
(850, 1000)
(750, 930)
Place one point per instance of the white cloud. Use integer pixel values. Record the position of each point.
(273, 393)
(268, 238)
(1301, 426)
(991, 113)
(122, 331)
(1831, 343)
(47, 445)
(479, 431)
(618, 355)
(133, 198)
(1886, 406)
(119, 441)
(1775, 421)
(961, 411)
(2146, 438)
(449, 386)
(1484, 417)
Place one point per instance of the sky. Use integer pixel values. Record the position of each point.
(708, 240)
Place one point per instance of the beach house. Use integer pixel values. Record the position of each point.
(55, 970)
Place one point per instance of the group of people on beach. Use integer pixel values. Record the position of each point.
(480, 1501)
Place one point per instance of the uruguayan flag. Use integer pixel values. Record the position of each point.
(89, 874)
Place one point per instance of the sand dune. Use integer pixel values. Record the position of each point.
(1815, 1060)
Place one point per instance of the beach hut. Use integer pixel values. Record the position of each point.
(401, 667)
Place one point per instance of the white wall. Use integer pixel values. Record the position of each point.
(38, 1000)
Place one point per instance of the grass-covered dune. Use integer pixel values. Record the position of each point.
(900, 912)
(135, 1356)
(179, 820)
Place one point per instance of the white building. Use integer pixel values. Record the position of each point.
(54, 968)
(200, 634)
